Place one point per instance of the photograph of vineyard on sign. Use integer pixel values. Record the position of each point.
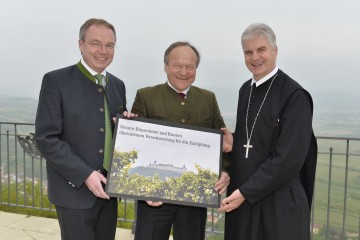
(168, 162)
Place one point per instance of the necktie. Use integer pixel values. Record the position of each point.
(108, 133)
(182, 96)
(99, 78)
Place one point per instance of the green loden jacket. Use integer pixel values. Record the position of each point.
(199, 108)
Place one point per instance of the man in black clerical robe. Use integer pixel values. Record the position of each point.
(274, 153)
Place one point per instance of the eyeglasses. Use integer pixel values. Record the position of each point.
(99, 46)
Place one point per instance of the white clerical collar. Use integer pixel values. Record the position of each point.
(185, 91)
(264, 79)
(90, 69)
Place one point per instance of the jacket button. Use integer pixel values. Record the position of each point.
(101, 150)
(101, 129)
(100, 90)
(101, 109)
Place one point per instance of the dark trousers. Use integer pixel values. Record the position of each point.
(154, 223)
(96, 223)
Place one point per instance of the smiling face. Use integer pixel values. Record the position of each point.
(260, 56)
(98, 47)
(181, 67)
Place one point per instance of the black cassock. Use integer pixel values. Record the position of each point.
(277, 178)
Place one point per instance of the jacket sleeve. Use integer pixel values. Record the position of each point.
(139, 106)
(48, 134)
(219, 123)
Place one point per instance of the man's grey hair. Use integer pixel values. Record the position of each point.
(259, 30)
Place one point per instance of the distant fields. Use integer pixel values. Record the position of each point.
(336, 189)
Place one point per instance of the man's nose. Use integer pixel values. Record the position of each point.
(183, 70)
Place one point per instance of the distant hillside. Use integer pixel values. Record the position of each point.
(18, 109)
(149, 172)
(336, 116)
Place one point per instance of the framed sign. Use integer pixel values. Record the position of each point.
(164, 161)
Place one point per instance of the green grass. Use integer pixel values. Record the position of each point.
(337, 200)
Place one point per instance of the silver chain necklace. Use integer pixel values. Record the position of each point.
(247, 145)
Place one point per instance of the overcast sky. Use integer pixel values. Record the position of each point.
(318, 41)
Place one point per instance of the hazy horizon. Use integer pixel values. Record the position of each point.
(331, 118)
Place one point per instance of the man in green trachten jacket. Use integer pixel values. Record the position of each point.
(177, 101)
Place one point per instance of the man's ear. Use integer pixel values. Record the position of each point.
(81, 44)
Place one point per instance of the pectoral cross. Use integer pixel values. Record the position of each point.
(247, 146)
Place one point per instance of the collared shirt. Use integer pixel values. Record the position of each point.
(264, 79)
(93, 72)
(185, 91)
